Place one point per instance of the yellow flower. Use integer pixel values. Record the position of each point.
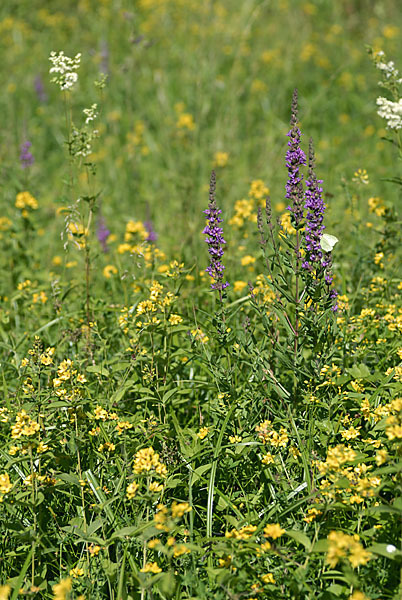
(273, 531)
(151, 567)
(221, 159)
(25, 200)
(57, 261)
(342, 546)
(4, 592)
(203, 432)
(247, 260)
(186, 121)
(268, 578)
(76, 572)
(109, 270)
(175, 319)
(179, 508)
(239, 286)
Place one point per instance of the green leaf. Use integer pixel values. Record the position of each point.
(387, 550)
(98, 370)
(300, 537)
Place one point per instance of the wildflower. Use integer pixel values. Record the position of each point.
(312, 513)
(90, 113)
(268, 578)
(244, 533)
(214, 239)
(391, 112)
(152, 235)
(247, 260)
(179, 508)
(315, 208)
(40, 90)
(25, 200)
(5, 484)
(131, 490)
(357, 595)
(221, 159)
(76, 572)
(151, 567)
(186, 121)
(239, 286)
(109, 270)
(203, 432)
(274, 531)
(4, 592)
(65, 69)
(94, 550)
(102, 234)
(180, 549)
(361, 176)
(342, 546)
(258, 189)
(146, 460)
(26, 158)
(295, 158)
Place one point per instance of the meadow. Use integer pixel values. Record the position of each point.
(200, 316)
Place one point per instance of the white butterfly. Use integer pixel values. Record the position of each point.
(327, 242)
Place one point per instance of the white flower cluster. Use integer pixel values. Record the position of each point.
(387, 68)
(65, 69)
(90, 113)
(391, 112)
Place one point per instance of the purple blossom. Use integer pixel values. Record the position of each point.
(102, 234)
(214, 239)
(315, 208)
(152, 235)
(26, 156)
(40, 90)
(295, 158)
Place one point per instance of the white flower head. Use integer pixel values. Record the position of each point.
(90, 113)
(391, 112)
(65, 69)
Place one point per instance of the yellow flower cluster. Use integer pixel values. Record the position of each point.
(244, 533)
(245, 209)
(274, 531)
(376, 205)
(342, 546)
(61, 589)
(24, 426)
(393, 428)
(179, 509)
(24, 201)
(151, 567)
(5, 485)
(268, 435)
(147, 460)
(199, 335)
(131, 490)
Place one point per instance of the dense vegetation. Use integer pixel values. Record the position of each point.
(200, 310)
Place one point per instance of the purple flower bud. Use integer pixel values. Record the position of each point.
(295, 158)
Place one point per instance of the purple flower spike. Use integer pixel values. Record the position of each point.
(26, 157)
(40, 90)
(295, 158)
(315, 208)
(152, 235)
(102, 234)
(214, 239)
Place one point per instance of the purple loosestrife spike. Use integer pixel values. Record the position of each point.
(152, 235)
(295, 158)
(315, 208)
(214, 239)
(40, 90)
(102, 234)
(26, 157)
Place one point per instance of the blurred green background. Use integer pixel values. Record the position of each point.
(188, 79)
